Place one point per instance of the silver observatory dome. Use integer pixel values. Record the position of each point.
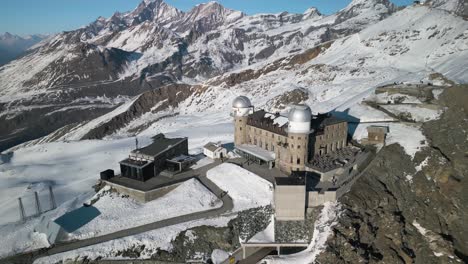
(241, 102)
(300, 113)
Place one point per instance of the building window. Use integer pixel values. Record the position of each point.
(266, 146)
(273, 135)
(240, 128)
(272, 147)
(298, 161)
(292, 145)
(292, 137)
(299, 138)
(298, 146)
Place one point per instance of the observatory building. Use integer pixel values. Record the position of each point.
(286, 142)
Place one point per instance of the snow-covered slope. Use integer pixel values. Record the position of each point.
(151, 46)
(332, 63)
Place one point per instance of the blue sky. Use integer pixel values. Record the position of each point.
(50, 16)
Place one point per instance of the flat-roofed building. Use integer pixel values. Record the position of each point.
(290, 198)
(147, 162)
(377, 134)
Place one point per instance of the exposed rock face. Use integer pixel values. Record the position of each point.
(396, 213)
(295, 96)
(163, 98)
(152, 46)
(459, 7)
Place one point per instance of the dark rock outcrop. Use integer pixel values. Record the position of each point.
(397, 214)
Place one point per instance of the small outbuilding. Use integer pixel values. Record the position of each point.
(377, 134)
(215, 151)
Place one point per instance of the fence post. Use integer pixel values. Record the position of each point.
(21, 208)
(38, 205)
(52, 198)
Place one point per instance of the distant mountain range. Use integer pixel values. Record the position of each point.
(82, 74)
(12, 46)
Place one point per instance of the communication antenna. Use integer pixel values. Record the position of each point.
(21, 208)
(38, 205)
(136, 143)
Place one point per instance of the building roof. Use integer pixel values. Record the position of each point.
(241, 102)
(333, 160)
(290, 181)
(378, 129)
(159, 145)
(182, 158)
(211, 146)
(326, 120)
(274, 123)
(300, 113)
(257, 152)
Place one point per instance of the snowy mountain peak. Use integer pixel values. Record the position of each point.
(311, 12)
(365, 4)
(212, 11)
(8, 36)
(155, 10)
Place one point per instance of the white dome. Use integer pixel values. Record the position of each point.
(300, 113)
(241, 102)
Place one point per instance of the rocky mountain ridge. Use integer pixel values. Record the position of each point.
(404, 211)
(149, 47)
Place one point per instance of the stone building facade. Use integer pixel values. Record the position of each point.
(292, 140)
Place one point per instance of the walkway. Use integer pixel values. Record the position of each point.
(200, 174)
(260, 170)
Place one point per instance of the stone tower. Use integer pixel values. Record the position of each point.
(299, 128)
(241, 108)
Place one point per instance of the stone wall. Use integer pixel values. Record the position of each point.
(240, 133)
(333, 137)
(316, 198)
(298, 145)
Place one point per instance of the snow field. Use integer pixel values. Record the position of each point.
(159, 239)
(119, 213)
(246, 189)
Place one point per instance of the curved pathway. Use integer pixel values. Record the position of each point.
(200, 174)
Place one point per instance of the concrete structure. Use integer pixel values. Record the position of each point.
(143, 195)
(377, 134)
(180, 163)
(319, 197)
(290, 198)
(150, 161)
(215, 151)
(292, 140)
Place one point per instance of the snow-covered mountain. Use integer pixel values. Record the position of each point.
(12, 46)
(459, 7)
(160, 70)
(80, 74)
